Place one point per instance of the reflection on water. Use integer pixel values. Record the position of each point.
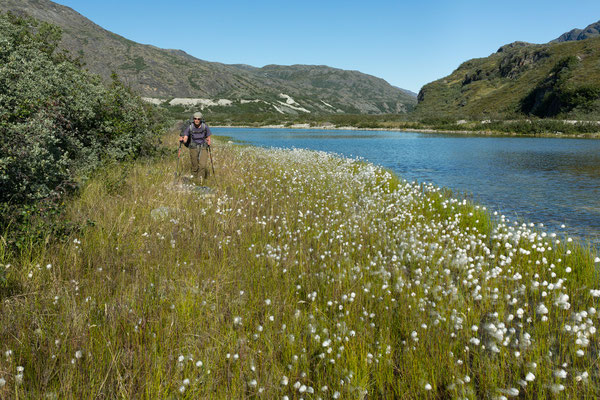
(543, 180)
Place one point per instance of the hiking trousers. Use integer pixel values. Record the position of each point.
(199, 159)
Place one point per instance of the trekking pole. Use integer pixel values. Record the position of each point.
(178, 154)
(211, 161)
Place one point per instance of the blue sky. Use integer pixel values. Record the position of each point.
(407, 43)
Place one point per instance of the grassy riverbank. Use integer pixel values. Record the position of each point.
(519, 125)
(305, 276)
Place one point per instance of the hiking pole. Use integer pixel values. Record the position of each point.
(211, 161)
(178, 154)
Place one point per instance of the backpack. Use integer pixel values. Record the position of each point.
(189, 124)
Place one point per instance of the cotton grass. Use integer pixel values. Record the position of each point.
(307, 275)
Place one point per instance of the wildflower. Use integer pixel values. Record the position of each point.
(78, 354)
(561, 373)
(512, 392)
(556, 388)
(541, 309)
(2, 382)
(198, 363)
(563, 302)
(582, 377)
(284, 380)
(428, 386)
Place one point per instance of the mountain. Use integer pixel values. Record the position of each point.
(167, 74)
(545, 80)
(591, 30)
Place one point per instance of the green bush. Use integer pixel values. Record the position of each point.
(57, 121)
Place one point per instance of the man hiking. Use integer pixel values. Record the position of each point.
(197, 137)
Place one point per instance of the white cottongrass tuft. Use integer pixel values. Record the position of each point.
(541, 309)
(561, 373)
(529, 377)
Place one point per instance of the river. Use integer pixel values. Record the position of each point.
(549, 181)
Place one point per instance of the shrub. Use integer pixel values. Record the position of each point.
(57, 121)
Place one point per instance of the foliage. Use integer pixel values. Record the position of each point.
(557, 80)
(304, 275)
(553, 96)
(58, 122)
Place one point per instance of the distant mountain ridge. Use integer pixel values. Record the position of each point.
(166, 73)
(592, 30)
(545, 80)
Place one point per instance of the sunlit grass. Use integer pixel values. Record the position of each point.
(306, 276)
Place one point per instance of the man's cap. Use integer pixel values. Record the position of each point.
(198, 115)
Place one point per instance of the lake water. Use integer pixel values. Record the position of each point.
(553, 181)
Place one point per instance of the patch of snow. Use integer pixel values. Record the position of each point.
(294, 107)
(288, 99)
(201, 102)
(153, 100)
(251, 101)
(278, 109)
(327, 104)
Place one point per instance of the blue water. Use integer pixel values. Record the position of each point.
(553, 181)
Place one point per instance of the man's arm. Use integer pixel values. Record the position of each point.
(183, 136)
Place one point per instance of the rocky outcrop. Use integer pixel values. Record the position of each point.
(592, 30)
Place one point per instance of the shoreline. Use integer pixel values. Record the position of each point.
(421, 130)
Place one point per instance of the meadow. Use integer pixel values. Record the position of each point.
(303, 275)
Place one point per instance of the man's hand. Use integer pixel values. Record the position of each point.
(183, 139)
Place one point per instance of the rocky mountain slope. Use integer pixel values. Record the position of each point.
(561, 78)
(163, 74)
(591, 30)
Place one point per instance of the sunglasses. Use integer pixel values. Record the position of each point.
(196, 119)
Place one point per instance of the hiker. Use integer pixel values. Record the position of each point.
(198, 135)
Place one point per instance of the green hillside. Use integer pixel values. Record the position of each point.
(547, 80)
(165, 74)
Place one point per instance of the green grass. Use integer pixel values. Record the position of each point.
(495, 86)
(306, 276)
